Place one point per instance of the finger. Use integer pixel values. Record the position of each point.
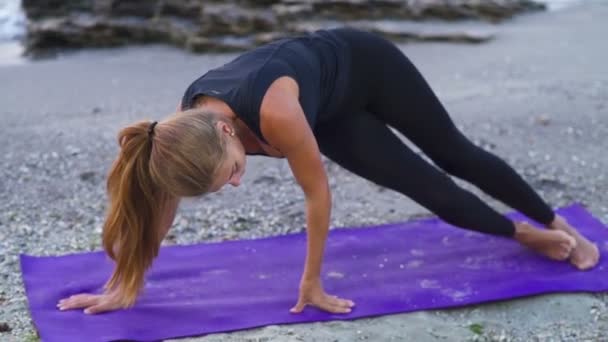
(83, 300)
(68, 299)
(298, 307)
(99, 308)
(66, 303)
(77, 297)
(77, 302)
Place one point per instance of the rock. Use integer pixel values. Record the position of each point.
(543, 120)
(222, 19)
(80, 31)
(400, 31)
(88, 176)
(238, 24)
(139, 8)
(426, 33)
(204, 44)
(264, 179)
(267, 37)
(549, 183)
(491, 10)
(356, 9)
(4, 327)
(286, 12)
(35, 9)
(243, 224)
(86, 31)
(181, 8)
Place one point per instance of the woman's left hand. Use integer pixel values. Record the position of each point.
(312, 293)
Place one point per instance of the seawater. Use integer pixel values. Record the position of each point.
(12, 28)
(12, 20)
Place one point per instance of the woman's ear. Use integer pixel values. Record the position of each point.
(225, 128)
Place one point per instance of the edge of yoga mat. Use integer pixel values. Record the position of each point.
(575, 209)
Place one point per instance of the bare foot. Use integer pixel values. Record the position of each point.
(585, 255)
(554, 244)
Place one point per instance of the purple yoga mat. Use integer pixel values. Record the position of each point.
(218, 287)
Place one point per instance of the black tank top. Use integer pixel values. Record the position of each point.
(318, 62)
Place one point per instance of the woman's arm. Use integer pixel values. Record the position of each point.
(284, 126)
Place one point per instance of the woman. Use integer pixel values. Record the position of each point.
(333, 92)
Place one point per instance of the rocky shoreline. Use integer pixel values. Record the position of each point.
(236, 25)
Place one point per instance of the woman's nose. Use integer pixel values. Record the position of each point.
(235, 181)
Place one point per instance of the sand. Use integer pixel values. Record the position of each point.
(537, 96)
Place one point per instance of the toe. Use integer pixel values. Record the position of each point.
(568, 247)
(572, 241)
(565, 251)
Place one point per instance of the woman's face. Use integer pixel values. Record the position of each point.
(232, 167)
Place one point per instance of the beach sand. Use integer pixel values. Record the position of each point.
(537, 96)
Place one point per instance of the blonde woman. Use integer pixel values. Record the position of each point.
(332, 92)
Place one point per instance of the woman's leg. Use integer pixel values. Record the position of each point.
(406, 102)
(398, 95)
(363, 144)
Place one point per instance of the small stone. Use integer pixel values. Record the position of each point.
(265, 180)
(72, 150)
(4, 327)
(543, 120)
(87, 176)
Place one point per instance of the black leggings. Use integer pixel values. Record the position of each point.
(386, 89)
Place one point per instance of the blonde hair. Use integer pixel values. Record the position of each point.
(178, 158)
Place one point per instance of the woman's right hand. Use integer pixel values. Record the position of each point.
(91, 303)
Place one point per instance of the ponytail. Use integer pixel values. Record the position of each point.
(131, 230)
